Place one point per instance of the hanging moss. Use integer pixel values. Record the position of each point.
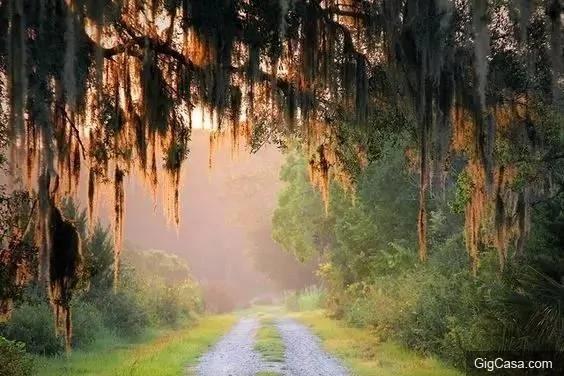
(91, 193)
(16, 66)
(119, 211)
(65, 262)
(109, 74)
(69, 70)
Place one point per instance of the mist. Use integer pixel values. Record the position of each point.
(225, 213)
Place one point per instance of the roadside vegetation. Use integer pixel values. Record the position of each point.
(14, 360)
(365, 241)
(156, 294)
(365, 355)
(308, 299)
(168, 352)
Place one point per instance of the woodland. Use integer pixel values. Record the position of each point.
(424, 142)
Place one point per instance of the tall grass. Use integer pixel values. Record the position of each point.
(366, 355)
(309, 299)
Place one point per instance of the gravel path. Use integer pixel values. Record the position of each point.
(304, 355)
(233, 355)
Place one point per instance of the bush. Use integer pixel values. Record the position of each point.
(14, 361)
(86, 323)
(123, 314)
(455, 313)
(383, 304)
(167, 306)
(33, 325)
(371, 307)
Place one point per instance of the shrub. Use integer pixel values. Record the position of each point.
(170, 303)
(167, 306)
(383, 304)
(33, 325)
(123, 314)
(87, 324)
(191, 297)
(365, 302)
(455, 313)
(14, 361)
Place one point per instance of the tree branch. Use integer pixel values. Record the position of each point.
(74, 127)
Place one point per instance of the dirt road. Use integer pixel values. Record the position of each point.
(234, 354)
(304, 355)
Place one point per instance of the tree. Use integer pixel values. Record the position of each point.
(113, 84)
(300, 223)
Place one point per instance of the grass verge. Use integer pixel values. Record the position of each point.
(167, 353)
(269, 342)
(365, 356)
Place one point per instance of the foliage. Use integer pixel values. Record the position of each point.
(453, 313)
(299, 220)
(33, 325)
(123, 313)
(159, 264)
(163, 296)
(165, 287)
(535, 300)
(366, 355)
(281, 267)
(372, 280)
(308, 299)
(98, 261)
(87, 325)
(164, 353)
(18, 254)
(384, 304)
(472, 83)
(463, 192)
(170, 305)
(14, 359)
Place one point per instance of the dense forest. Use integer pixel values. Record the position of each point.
(371, 276)
(425, 141)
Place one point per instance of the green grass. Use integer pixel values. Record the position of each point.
(362, 353)
(261, 311)
(309, 299)
(269, 342)
(268, 373)
(160, 354)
